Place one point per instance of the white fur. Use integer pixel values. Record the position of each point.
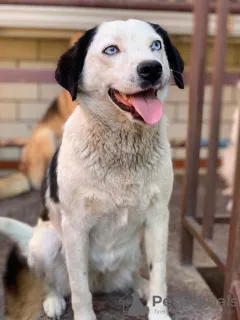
(17, 231)
(115, 176)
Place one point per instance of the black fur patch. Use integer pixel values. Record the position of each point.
(43, 190)
(15, 264)
(52, 178)
(174, 58)
(44, 215)
(150, 267)
(70, 64)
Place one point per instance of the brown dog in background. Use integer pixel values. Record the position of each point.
(40, 147)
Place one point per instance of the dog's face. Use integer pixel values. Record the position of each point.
(126, 63)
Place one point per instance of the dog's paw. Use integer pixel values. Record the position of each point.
(54, 306)
(85, 314)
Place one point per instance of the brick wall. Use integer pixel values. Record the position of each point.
(176, 109)
(21, 105)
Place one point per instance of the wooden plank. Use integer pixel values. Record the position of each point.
(208, 245)
(10, 75)
(175, 143)
(10, 143)
(177, 164)
(222, 219)
(9, 164)
(21, 75)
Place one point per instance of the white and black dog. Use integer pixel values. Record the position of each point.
(112, 176)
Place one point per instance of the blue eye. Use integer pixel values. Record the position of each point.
(156, 45)
(111, 50)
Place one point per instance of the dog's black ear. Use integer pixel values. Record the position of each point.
(174, 58)
(71, 63)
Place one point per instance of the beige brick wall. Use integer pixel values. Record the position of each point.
(22, 105)
(177, 104)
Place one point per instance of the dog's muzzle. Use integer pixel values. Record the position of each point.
(144, 106)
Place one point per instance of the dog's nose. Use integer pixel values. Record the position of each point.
(150, 70)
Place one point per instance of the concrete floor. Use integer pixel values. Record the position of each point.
(191, 297)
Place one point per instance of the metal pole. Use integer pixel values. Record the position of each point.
(196, 95)
(218, 76)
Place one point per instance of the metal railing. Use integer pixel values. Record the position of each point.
(192, 226)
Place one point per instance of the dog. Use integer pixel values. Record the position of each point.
(112, 175)
(39, 149)
(41, 146)
(228, 166)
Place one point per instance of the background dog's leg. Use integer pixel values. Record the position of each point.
(156, 240)
(228, 191)
(76, 242)
(230, 205)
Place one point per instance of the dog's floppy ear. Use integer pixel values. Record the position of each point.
(174, 58)
(71, 63)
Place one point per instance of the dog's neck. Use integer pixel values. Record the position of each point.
(115, 137)
(105, 115)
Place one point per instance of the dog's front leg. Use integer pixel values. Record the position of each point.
(156, 240)
(76, 242)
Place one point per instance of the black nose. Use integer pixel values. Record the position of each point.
(150, 70)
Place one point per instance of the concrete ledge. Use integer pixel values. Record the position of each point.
(72, 18)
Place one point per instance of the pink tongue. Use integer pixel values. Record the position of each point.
(148, 106)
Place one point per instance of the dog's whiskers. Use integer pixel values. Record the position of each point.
(176, 71)
(178, 81)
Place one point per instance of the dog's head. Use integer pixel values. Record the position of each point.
(126, 63)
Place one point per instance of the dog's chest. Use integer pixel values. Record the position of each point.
(106, 170)
(124, 187)
(127, 169)
(116, 239)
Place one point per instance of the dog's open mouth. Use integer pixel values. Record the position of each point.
(144, 106)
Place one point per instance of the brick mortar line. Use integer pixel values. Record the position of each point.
(36, 100)
(17, 110)
(11, 122)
